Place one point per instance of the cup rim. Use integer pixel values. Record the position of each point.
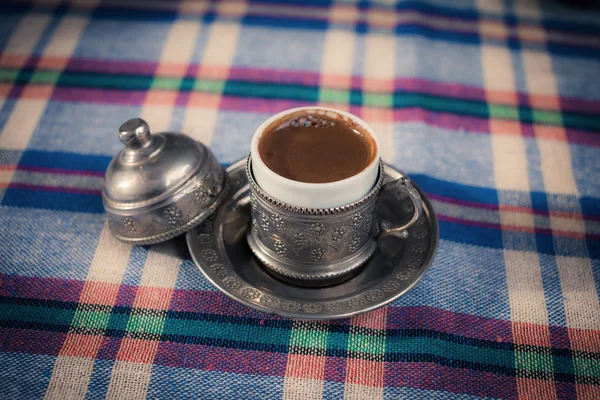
(256, 158)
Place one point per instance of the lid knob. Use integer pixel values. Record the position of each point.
(135, 133)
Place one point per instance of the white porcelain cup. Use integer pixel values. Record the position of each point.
(314, 195)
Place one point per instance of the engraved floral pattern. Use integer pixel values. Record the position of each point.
(419, 248)
(299, 238)
(279, 247)
(173, 215)
(269, 300)
(232, 283)
(335, 307)
(312, 308)
(413, 262)
(129, 225)
(264, 221)
(354, 243)
(357, 302)
(209, 255)
(356, 218)
(404, 275)
(390, 286)
(205, 239)
(317, 228)
(219, 270)
(289, 305)
(277, 221)
(250, 293)
(375, 295)
(317, 254)
(201, 196)
(337, 234)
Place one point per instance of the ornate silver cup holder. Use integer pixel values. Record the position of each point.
(220, 248)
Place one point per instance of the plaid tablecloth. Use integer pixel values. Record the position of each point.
(492, 107)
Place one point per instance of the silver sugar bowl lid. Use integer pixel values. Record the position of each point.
(160, 185)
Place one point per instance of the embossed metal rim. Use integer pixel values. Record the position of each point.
(270, 262)
(209, 255)
(314, 211)
(197, 220)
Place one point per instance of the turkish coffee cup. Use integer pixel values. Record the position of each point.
(315, 176)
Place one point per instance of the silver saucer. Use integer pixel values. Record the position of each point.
(219, 248)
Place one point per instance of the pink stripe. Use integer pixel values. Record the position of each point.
(210, 358)
(59, 171)
(61, 189)
(430, 376)
(31, 341)
(40, 288)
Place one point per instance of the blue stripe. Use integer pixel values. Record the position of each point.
(472, 235)
(115, 13)
(451, 231)
(455, 190)
(283, 22)
(590, 206)
(53, 200)
(64, 160)
(431, 33)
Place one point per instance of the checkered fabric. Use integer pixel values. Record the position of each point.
(492, 107)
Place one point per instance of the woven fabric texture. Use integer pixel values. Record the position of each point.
(492, 107)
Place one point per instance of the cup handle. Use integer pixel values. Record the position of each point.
(402, 184)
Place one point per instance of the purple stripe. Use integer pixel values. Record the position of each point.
(111, 66)
(61, 189)
(221, 359)
(454, 323)
(487, 225)
(266, 106)
(40, 288)
(306, 78)
(126, 295)
(431, 376)
(463, 203)
(216, 303)
(31, 341)
(211, 302)
(260, 106)
(310, 78)
(99, 96)
(60, 171)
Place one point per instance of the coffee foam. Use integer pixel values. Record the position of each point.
(321, 119)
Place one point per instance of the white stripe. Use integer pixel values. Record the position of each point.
(582, 309)
(129, 379)
(200, 122)
(178, 49)
(27, 112)
(71, 375)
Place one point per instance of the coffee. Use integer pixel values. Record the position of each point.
(316, 148)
